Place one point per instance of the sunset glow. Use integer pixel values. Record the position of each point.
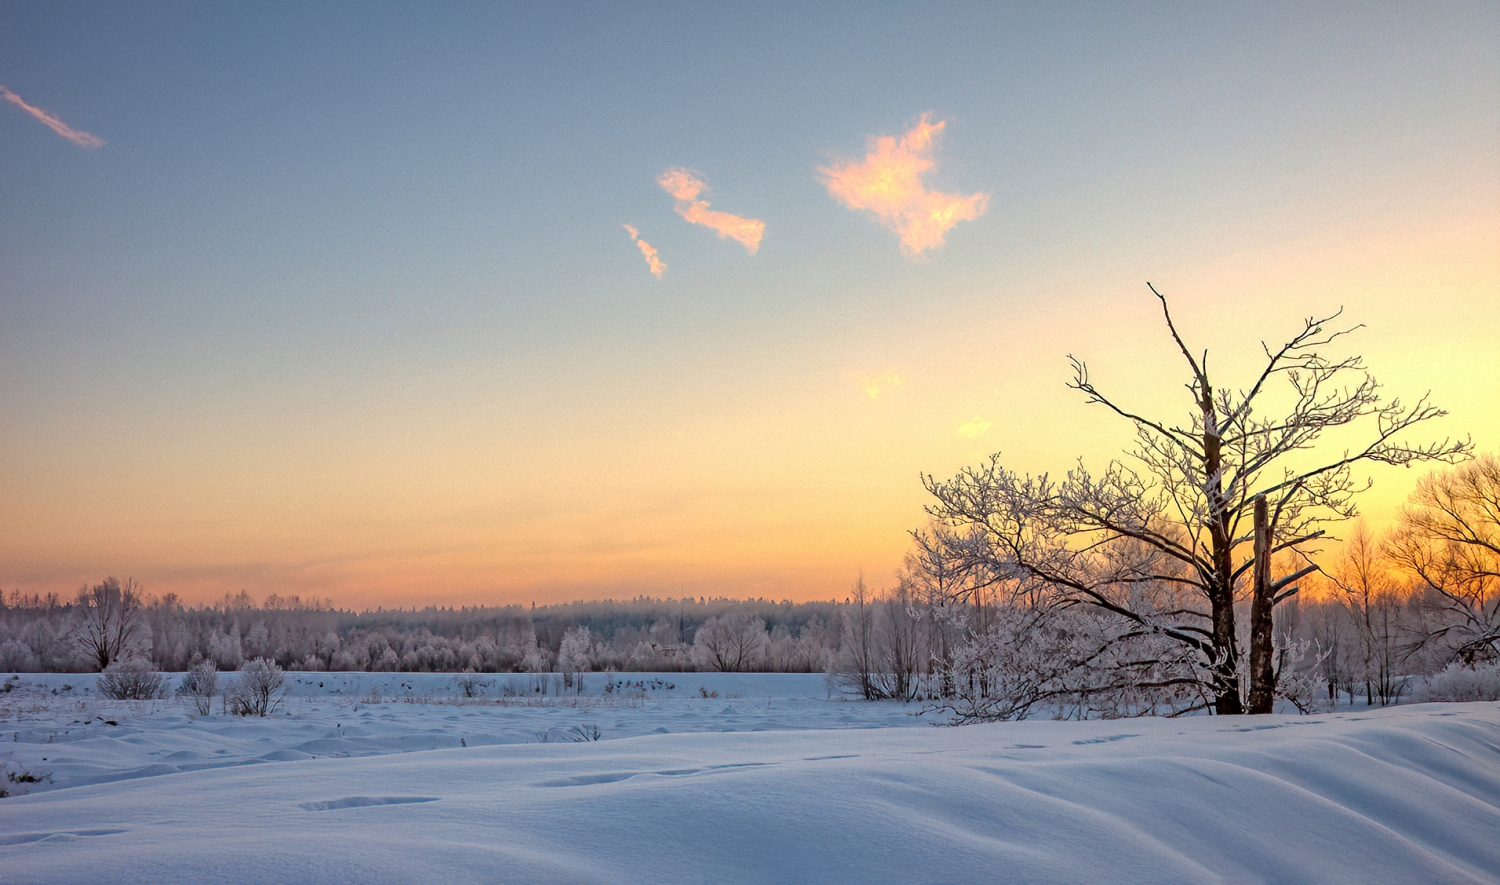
(341, 306)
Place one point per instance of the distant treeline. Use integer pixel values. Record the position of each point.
(46, 633)
(1364, 637)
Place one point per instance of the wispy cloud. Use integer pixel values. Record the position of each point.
(685, 187)
(77, 136)
(973, 427)
(881, 385)
(887, 183)
(658, 267)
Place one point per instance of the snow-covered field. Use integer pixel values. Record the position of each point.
(55, 725)
(376, 778)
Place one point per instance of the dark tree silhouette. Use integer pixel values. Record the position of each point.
(109, 620)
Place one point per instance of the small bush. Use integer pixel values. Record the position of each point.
(20, 776)
(471, 686)
(586, 732)
(258, 690)
(200, 685)
(1459, 683)
(132, 680)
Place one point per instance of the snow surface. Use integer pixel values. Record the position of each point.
(55, 723)
(350, 790)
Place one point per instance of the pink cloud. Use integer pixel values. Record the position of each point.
(77, 136)
(888, 184)
(656, 265)
(685, 186)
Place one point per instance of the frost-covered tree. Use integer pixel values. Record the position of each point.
(573, 653)
(38, 633)
(1162, 539)
(807, 652)
(536, 659)
(226, 649)
(883, 651)
(1449, 539)
(731, 643)
(18, 657)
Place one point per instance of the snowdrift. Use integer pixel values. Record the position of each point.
(1403, 795)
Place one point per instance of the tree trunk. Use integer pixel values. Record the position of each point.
(1221, 587)
(1262, 671)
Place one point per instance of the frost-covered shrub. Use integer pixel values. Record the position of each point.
(132, 680)
(1067, 663)
(200, 685)
(1459, 683)
(1298, 674)
(257, 692)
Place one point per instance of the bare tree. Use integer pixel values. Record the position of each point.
(1329, 628)
(109, 620)
(1449, 538)
(1178, 513)
(1372, 604)
(901, 644)
(884, 651)
(731, 643)
(857, 661)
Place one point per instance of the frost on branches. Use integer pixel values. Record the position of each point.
(1117, 589)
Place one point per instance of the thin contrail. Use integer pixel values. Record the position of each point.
(77, 136)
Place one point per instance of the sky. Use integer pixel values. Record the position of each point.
(458, 304)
